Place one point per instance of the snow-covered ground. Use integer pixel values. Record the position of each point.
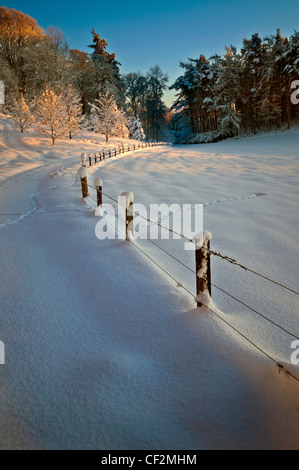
(103, 350)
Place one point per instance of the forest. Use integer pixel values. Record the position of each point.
(248, 90)
(240, 92)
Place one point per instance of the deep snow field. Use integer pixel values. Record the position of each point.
(103, 349)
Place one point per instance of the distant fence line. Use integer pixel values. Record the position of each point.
(90, 159)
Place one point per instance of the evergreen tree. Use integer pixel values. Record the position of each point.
(229, 121)
(106, 74)
(104, 115)
(249, 89)
(136, 130)
(99, 47)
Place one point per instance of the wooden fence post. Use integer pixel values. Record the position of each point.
(109, 153)
(82, 173)
(89, 157)
(95, 158)
(103, 155)
(115, 152)
(98, 183)
(123, 148)
(129, 201)
(202, 265)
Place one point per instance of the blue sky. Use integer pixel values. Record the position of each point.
(145, 33)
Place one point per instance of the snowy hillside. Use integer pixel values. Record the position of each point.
(103, 349)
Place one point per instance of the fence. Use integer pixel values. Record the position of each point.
(89, 160)
(202, 271)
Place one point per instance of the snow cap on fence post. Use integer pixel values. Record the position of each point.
(126, 200)
(98, 182)
(202, 266)
(83, 159)
(82, 173)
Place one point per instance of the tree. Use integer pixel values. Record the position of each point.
(104, 115)
(249, 88)
(51, 115)
(30, 58)
(135, 128)
(73, 111)
(106, 74)
(19, 34)
(135, 87)
(229, 121)
(99, 47)
(156, 110)
(21, 114)
(121, 128)
(82, 76)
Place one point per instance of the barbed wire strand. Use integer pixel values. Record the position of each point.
(256, 311)
(252, 343)
(219, 255)
(219, 316)
(222, 290)
(153, 261)
(280, 366)
(211, 252)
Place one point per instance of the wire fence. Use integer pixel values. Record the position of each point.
(194, 272)
(90, 159)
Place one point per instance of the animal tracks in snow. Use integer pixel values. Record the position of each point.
(218, 201)
(37, 208)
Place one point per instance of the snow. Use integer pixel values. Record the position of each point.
(98, 183)
(102, 349)
(126, 199)
(82, 172)
(202, 239)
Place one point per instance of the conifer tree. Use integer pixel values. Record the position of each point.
(104, 115)
(105, 70)
(135, 128)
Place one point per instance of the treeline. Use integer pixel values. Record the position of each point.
(33, 60)
(248, 90)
